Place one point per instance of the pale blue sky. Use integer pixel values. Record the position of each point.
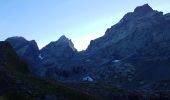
(80, 20)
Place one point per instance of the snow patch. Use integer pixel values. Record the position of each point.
(115, 61)
(40, 56)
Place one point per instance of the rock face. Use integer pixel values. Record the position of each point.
(10, 60)
(56, 57)
(61, 49)
(29, 52)
(58, 52)
(141, 39)
(143, 33)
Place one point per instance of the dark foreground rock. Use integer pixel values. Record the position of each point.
(29, 52)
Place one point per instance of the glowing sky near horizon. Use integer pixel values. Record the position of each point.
(79, 20)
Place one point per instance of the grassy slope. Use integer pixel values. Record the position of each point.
(29, 87)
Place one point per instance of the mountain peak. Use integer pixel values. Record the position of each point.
(18, 38)
(63, 38)
(143, 9)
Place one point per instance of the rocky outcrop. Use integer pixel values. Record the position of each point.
(29, 52)
(142, 33)
(58, 52)
(63, 48)
(57, 56)
(10, 60)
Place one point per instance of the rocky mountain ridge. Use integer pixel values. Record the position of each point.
(133, 53)
(62, 48)
(29, 52)
(137, 33)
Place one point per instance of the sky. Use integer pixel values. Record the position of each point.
(79, 20)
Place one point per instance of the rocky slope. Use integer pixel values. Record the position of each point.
(142, 33)
(56, 57)
(29, 52)
(60, 50)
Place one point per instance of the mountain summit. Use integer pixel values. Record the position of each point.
(63, 38)
(138, 33)
(63, 49)
(143, 9)
(65, 41)
(28, 51)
